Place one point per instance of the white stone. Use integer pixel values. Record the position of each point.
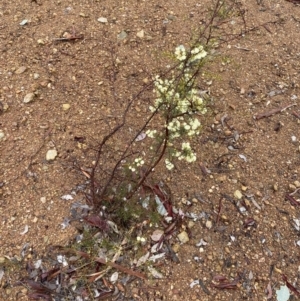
(66, 106)
(238, 194)
(140, 34)
(208, 224)
(102, 20)
(51, 154)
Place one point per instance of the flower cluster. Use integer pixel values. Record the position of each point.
(180, 126)
(137, 163)
(177, 96)
(151, 133)
(187, 153)
(180, 53)
(179, 102)
(141, 240)
(169, 164)
(195, 55)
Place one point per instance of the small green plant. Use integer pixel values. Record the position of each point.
(123, 199)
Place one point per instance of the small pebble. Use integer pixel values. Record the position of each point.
(183, 237)
(224, 217)
(238, 194)
(20, 70)
(208, 224)
(191, 224)
(23, 22)
(122, 35)
(194, 200)
(66, 106)
(102, 20)
(140, 34)
(297, 184)
(51, 154)
(28, 97)
(244, 188)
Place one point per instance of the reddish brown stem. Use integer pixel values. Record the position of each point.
(296, 114)
(292, 200)
(149, 170)
(121, 268)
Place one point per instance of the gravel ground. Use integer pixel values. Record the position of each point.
(57, 95)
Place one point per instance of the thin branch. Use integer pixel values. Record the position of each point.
(150, 169)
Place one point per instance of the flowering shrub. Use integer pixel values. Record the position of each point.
(179, 103)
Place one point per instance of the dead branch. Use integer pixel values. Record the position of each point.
(272, 112)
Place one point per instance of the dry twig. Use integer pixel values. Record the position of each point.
(272, 112)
